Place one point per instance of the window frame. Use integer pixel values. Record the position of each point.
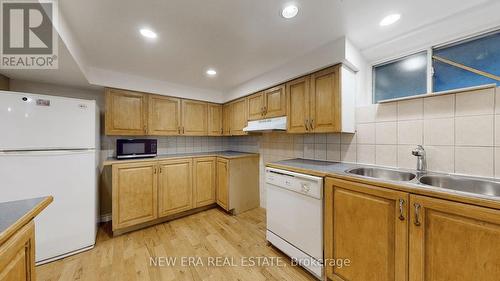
(430, 66)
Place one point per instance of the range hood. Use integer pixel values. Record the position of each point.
(266, 125)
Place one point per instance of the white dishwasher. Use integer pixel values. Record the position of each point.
(295, 217)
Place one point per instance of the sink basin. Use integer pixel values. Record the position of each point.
(476, 186)
(380, 173)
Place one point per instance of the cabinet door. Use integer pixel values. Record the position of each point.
(239, 117)
(175, 190)
(369, 226)
(256, 106)
(134, 193)
(275, 102)
(215, 120)
(227, 120)
(164, 116)
(17, 262)
(325, 100)
(298, 105)
(453, 241)
(204, 180)
(126, 112)
(194, 118)
(223, 183)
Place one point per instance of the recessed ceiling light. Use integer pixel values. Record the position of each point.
(390, 19)
(290, 11)
(211, 72)
(148, 33)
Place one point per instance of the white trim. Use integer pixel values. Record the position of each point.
(430, 70)
(64, 255)
(459, 39)
(454, 91)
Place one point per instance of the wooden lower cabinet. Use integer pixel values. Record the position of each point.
(175, 186)
(453, 241)
(18, 255)
(204, 177)
(134, 198)
(368, 226)
(222, 183)
(392, 235)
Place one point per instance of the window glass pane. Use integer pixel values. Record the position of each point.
(481, 54)
(401, 78)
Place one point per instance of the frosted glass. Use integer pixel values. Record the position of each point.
(401, 78)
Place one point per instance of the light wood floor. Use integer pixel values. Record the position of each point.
(209, 233)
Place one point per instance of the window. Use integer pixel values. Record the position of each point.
(468, 63)
(471, 62)
(401, 78)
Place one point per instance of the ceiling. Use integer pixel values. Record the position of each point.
(240, 39)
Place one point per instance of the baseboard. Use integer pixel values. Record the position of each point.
(105, 218)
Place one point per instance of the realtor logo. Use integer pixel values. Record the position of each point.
(29, 39)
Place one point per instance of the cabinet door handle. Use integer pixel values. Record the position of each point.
(312, 124)
(401, 211)
(417, 210)
(182, 129)
(305, 124)
(179, 129)
(262, 111)
(265, 110)
(154, 170)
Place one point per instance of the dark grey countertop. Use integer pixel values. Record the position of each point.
(13, 211)
(226, 154)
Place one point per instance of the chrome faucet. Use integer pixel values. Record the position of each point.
(421, 161)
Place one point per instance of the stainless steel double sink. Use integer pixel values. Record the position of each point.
(457, 183)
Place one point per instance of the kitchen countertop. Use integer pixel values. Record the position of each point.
(338, 170)
(15, 214)
(225, 154)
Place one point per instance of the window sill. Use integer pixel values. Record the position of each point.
(442, 93)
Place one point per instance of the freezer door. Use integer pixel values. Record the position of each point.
(37, 122)
(69, 223)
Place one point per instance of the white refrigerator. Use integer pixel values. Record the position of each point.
(48, 146)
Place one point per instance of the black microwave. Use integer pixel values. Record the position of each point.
(135, 148)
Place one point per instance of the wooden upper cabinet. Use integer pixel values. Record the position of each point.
(175, 189)
(226, 120)
(256, 106)
(275, 102)
(215, 120)
(369, 226)
(223, 183)
(453, 241)
(325, 100)
(18, 255)
(239, 117)
(204, 172)
(297, 92)
(134, 194)
(164, 115)
(194, 118)
(126, 112)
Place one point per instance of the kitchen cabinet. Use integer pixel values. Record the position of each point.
(204, 175)
(325, 101)
(369, 226)
(175, 186)
(222, 183)
(17, 254)
(226, 120)
(298, 105)
(126, 112)
(215, 120)
(237, 180)
(322, 102)
(239, 117)
(275, 102)
(267, 104)
(164, 115)
(134, 193)
(256, 106)
(194, 118)
(453, 241)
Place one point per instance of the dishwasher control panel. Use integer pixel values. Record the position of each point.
(301, 183)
